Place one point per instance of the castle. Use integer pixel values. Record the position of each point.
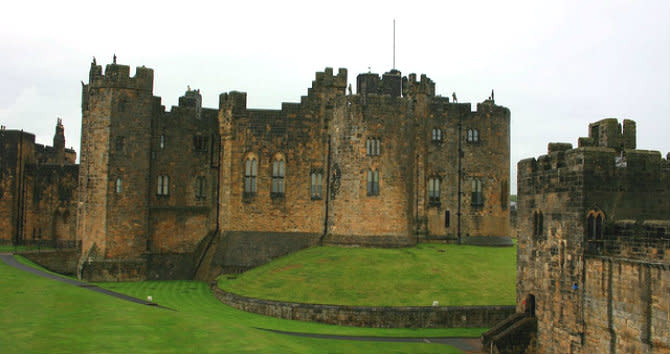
(195, 191)
(593, 260)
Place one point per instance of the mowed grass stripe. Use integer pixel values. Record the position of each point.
(451, 274)
(46, 316)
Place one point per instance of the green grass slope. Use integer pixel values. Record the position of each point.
(46, 316)
(451, 274)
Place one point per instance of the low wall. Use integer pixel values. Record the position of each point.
(114, 270)
(371, 316)
(385, 241)
(59, 261)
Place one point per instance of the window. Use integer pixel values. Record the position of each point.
(200, 143)
(477, 199)
(162, 186)
(434, 191)
(316, 188)
(278, 173)
(594, 225)
(119, 142)
(446, 218)
(123, 102)
(250, 172)
(373, 182)
(118, 187)
(538, 221)
(373, 147)
(436, 136)
(504, 194)
(162, 142)
(200, 187)
(473, 136)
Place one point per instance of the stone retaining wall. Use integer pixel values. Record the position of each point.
(371, 316)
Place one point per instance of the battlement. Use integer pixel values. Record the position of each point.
(118, 76)
(236, 101)
(326, 80)
(410, 86)
(609, 133)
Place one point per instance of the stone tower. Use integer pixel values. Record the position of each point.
(115, 160)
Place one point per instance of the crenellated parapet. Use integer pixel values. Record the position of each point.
(328, 85)
(118, 76)
(413, 87)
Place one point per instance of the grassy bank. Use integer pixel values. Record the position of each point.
(451, 274)
(41, 315)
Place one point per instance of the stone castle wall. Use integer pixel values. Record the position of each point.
(594, 286)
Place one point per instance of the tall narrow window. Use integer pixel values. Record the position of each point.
(477, 199)
(278, 173)
(162, 186)
(591, 227)
(434, 191)
(200, 187)
(200, 143)
(316, 185)
(599, 227)
(373, 147)
(473, 136)
(250, 172)
(373, 182)
(119, 142)
(436, 136)
(118, 187)
(447, 215)
(162, 142)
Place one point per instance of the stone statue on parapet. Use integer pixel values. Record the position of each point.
(349, 89)
(114, 59)
(453, 97)
(492, 96)
(94, 63)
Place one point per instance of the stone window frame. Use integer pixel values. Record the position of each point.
(434, 183)
(316, 184)
(473, 136)
(163, 186)
(161, 141)
(373, 146)
(201, 188)
(476, 195)
(595, 220)
(372, 182)
(436, 136)
(250, 170)
(278, 187)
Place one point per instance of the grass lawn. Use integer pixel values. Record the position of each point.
(42, 315)
(451, 274)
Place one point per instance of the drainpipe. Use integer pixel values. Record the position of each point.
(460, 174)
(325, 219)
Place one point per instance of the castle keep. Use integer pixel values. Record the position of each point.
(195, 191)
(593, 261)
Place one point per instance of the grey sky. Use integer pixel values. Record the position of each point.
(556, 65)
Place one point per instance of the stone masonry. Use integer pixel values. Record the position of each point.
(593, 261)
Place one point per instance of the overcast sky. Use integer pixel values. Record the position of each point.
(557, 65)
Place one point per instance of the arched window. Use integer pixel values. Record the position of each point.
(278, 173)
(476, 196)
(373, 182)
(118, 186)
(373, 147)
(594, 224)
(434, 191)
(250, 172)
(469, 139)
(316, 185)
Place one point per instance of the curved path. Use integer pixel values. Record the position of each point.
(8, 258)
(468, 345)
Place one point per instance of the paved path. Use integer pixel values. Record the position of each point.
(468, 345)
(10, 261)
